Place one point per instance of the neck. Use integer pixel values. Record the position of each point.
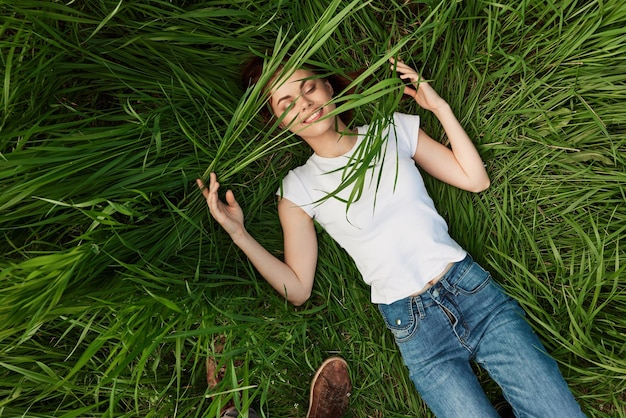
(334, 142)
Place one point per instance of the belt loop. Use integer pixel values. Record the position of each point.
(420, 306)
(450, 288)
(459, 268)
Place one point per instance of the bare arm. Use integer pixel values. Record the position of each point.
(460, 165)
(292, 278)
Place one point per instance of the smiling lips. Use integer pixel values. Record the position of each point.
(313, 116)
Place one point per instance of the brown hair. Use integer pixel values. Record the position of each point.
(253, 70)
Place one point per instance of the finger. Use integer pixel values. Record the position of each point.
(397, 65)
(213, 183)
(203, 188)
(400, 66)
(410, 91)
(212, 196)
(215, 206)
(230, 198)
(397, 68)
(408, 76)
(405, 69)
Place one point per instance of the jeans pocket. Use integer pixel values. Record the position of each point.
(472, 280)
(400, 318)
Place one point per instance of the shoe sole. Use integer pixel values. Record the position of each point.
(317, 374)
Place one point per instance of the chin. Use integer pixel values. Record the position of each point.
(318, 127)
(309, 130)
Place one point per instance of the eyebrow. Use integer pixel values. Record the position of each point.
(289, 96)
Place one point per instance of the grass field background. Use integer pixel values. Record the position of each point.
(115, 283)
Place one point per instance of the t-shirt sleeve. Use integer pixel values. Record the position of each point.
(293, 189)
(407, 130)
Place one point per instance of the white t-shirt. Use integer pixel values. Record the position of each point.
(394, 234)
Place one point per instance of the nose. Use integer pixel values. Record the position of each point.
(306, 102)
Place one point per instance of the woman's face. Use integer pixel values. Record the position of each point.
(303, 99)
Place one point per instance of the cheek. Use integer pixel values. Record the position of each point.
(276, 114)
(273, 111)
(289, 116)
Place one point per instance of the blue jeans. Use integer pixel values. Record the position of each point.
(467, 317)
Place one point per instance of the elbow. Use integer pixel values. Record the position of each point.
(299, 300)
(481, 186)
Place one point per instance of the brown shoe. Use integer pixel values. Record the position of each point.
(233, 413)
(330, 390)
(215, 373)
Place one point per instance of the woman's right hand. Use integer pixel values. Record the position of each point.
(228, 214)
(292, 278)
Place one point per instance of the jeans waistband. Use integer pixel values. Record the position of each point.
(457, 268)
(444, 283)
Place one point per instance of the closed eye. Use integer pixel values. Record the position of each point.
(287, 101)
(309, 88)
(287, 105)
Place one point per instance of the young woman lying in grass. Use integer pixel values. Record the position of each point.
(443, 309)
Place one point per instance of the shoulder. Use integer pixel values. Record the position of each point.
(296, 187)
(301, 174)
(404, 119)
(406, 130)
(294, 180)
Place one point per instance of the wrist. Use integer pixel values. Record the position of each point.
(441, 109)
(239, 236)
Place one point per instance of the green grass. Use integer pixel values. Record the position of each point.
(115, 284)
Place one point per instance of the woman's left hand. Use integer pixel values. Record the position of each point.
(460, 165)
(420, 90)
